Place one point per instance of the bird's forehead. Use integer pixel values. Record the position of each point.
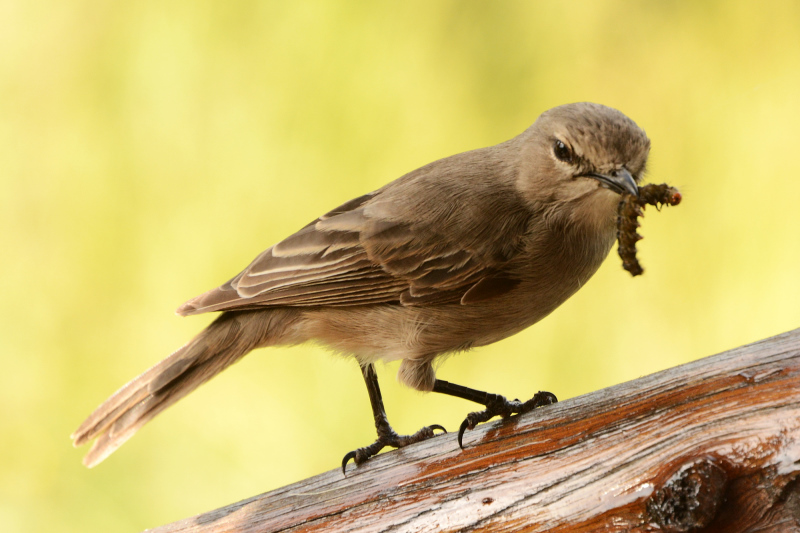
(609, 143)
(598, 133)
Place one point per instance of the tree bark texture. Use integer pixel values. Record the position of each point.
(709, 446)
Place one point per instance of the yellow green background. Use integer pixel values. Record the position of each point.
(149, 150)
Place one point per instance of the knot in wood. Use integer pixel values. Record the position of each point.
(690, 498)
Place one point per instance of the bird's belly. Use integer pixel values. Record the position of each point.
(391, 331)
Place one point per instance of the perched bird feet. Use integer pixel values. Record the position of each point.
(498, 406)
(388, 437)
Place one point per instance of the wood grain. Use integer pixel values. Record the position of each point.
(712, 445)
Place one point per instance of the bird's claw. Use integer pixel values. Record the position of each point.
(387, 437)
(347, 457)
(499, 406)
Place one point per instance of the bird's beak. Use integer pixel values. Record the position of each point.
(619, 181)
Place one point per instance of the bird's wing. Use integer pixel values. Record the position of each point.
(354, 255)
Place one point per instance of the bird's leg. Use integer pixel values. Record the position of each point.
(386, 435)
(496, 405)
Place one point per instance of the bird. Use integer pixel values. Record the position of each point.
(460, 253)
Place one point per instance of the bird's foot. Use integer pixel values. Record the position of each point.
(498, 406)
(388, 437)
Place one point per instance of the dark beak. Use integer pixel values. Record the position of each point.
(620, 181)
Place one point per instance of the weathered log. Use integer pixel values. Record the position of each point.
(712, 446)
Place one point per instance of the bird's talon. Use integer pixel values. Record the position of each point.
(347, 457)
(499, 406)
(388, 437)
(461, 431)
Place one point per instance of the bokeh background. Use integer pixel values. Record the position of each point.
(149, 150)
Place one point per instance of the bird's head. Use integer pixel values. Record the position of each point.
(578, 158)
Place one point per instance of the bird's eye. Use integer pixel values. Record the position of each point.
(562, 152)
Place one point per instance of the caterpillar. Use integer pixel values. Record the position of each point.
(628, 212)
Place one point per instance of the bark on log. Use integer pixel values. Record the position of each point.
(711, 446)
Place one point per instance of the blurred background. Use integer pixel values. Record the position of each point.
(149, 150)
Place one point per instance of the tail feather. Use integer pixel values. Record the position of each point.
(131, 393)
(221, 344)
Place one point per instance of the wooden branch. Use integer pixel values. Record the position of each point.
(710, 446)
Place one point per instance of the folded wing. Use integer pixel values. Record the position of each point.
(350, 256)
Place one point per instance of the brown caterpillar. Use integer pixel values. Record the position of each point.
(628, 212)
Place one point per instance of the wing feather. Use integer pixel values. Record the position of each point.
(352, 256)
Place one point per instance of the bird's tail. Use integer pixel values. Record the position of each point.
(221, 344)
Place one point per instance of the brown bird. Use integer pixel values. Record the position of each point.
(462, 252)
